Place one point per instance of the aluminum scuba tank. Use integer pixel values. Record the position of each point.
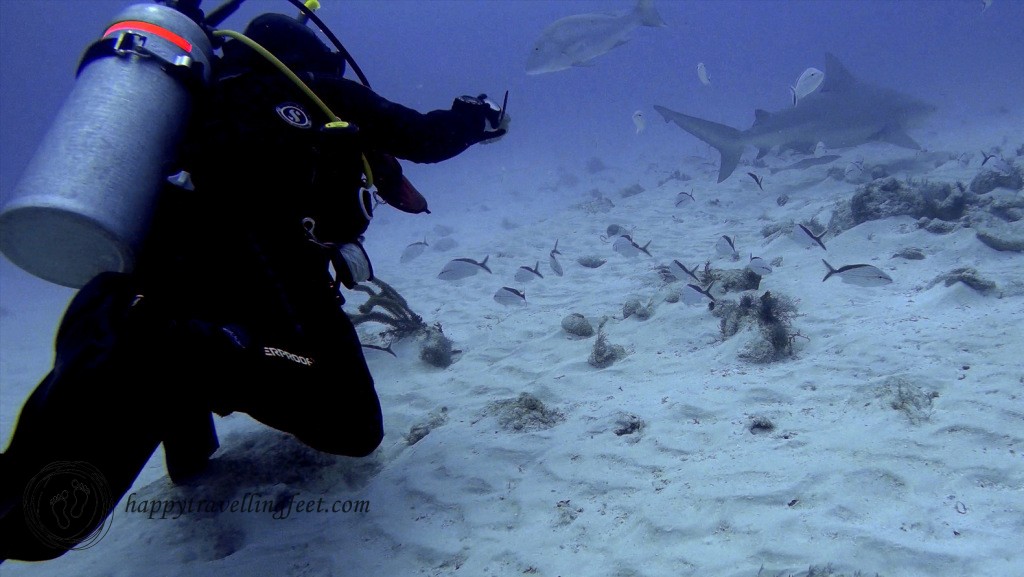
(87, 197)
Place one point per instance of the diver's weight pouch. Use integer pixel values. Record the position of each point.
(86, 199)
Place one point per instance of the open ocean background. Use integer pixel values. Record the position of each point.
(423, 54)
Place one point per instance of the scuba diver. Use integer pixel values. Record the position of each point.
(230, 303)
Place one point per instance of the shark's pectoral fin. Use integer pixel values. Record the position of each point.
(763, 151)
(899, 138)
(730, 159)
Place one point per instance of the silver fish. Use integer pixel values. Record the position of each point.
(684, 198)
(808, 82)
(693, 295)
(461, 268)
(576, 40)
(638, 121)
(998, 164)
(726, 247)
(527, 274)
(678, 267)
(626, 246)
(855, 171)
(510, 297)
(413, 250)
(553, 262)
(858, 274)
(758, 179)
(804, 237)
(759, 266)
(702, 74)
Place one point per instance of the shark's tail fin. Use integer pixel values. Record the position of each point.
(647, 14)
(726, 139)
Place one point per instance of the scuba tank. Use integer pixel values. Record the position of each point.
(86, 199)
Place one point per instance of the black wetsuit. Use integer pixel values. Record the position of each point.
(231, 306)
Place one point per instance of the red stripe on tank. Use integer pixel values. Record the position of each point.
(151, 29)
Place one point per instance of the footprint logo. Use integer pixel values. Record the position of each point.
(81, 497)
(67, 505)
(59, 506)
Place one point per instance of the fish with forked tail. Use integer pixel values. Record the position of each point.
(865, 275)
(413, 250)
(553, 262)
(638, 121)
(726, 246)
(759, 266)
(626, 246)
(527, 274)
(702, 74)
(758, 179)
(808, 82)
(804, 237)
(680, 267)
(509, 296)
(684, 198)
(693, 294)
(461, 268)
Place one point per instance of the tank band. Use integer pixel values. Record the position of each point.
(151, 29)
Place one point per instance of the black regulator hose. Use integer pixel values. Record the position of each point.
(191, 9)
(305, 10)
(221, 13)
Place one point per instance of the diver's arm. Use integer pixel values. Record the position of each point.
(400, 131)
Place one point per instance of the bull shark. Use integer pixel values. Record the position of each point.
(844, 112)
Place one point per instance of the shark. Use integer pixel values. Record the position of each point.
(845, 112)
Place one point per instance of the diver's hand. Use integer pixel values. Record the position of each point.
(494, 119)
(351, 264)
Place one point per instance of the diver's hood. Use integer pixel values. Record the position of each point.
(293, 43)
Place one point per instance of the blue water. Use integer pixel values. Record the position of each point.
(424, 53)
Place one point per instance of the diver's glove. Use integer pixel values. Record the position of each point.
(351, 264)
(495, 121)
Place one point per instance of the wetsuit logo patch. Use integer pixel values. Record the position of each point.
(294, 114)
(276, 352)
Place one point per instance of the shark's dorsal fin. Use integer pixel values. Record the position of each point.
(761, 116)
(837, 77)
